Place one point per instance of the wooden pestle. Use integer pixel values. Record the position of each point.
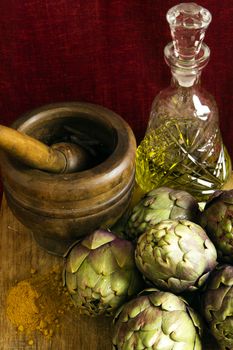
(58, 158)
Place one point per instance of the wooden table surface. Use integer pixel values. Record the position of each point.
(18, 254)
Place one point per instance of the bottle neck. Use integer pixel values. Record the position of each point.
(185, 79)
(186, 71)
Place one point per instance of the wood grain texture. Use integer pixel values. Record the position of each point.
(73, 204)
(18, 254)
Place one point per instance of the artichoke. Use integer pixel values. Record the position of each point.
(217, 220)
(218, 306)
(100, 273)
(175, 255)
(157, 321)
(161, 204)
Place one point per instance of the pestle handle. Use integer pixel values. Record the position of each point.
(31, 151)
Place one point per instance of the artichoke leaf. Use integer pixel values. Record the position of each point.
(102, 261)
(123, 252)
(223, 332)
(97, 239)
(103, 286)
(212, 304)
(167, 301)
(197, 344)
(155, 217)
(191, 266)
(120, 282)
(76, 258)
(114, 301)
(163, 342)
(178, 326)
(223, 276)
(134, 342)
(183, 200)
(178, 285)
(200, 282)
(71, 282)
(151, 338)
(182, 229)
(226, 309)
(148, 319)
(195, 319)
(87, 276)
(139, 304)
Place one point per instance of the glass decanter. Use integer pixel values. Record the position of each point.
(183, 146)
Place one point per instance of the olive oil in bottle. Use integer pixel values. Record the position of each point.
(183, 147)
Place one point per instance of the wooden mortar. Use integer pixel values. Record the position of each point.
(61, 208)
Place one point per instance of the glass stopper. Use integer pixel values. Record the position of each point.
(188, 23)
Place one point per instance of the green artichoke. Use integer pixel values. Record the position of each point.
(100, 273)
(175, 255)
(161, 204)
(217, 220)
(218, 306)
(157, 321)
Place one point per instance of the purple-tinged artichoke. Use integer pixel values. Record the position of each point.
(100, 273)
(157, 320)
(218, 306)
(161, 204)
(175, 255)
(217, 220)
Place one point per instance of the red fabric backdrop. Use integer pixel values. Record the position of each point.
(108, 52)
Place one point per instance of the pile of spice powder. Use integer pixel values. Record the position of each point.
(38, 303)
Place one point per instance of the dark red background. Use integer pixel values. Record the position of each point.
(108, 52)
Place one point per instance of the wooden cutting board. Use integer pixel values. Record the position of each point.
(18, 255)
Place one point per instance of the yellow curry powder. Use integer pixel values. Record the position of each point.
(38, 303)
